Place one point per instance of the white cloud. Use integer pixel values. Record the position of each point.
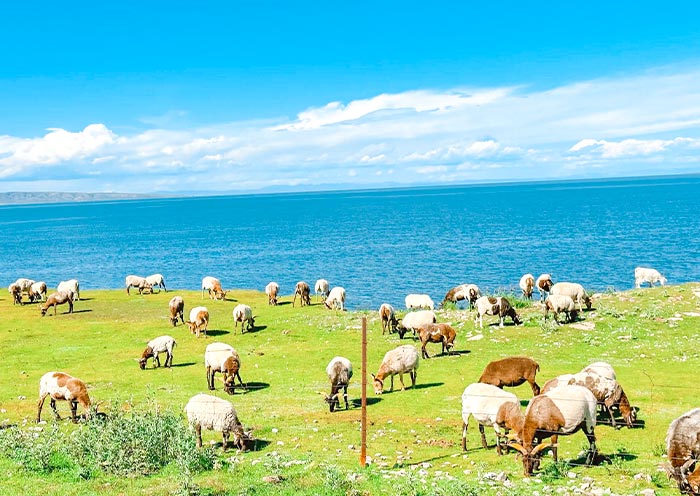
(631, 147)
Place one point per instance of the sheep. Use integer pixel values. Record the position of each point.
(177, 309)
(573, 290)
(137, 282)
(419, 301)
(497, 306)
(603, 369)
(511, 372)
(24, 285)
(322, 288)
(608, 393)
(485, 403)
(644, 274)
(199, 320)
(216, 414)
(413, 321)
(220, 357)
(527, 284)
(213, 286)
(558, 381)
(559, 412)
(437, 333)
(38, 291)
(302, 290)
(272, 290)
(543, 284)
(16, 293)
(156, 280)
(469, 292)
(161, 344)
(683, 451)
(244, 315)
(70, 285)
(400, 360)
(336, 299)
(388, 318)
(339, 371)
(56, 299)
(557, 304)
(62, 386)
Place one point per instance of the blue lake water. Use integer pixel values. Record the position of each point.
(379, 245)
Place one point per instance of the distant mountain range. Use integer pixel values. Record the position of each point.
(20, 197)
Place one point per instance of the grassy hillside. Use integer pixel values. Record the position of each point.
(650, 337)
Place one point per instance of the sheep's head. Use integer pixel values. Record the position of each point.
(531, 457)
(687, 476)
(229, 385)
(588, 302)
(243, 440)
(333, 401)
(515, 317)
(43, 310)
(378, 384)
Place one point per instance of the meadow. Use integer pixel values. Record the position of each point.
(649, 335)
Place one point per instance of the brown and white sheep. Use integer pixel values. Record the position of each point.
(339, 371)
(213, 286)
(511, 372)
(243, 314)
(16, 293)
(63, 387)
(220, 357)
(38, 291)
(575, 291)
(683, 451)
(304, 292)
(544, 284)
(413, 321)
(645, 274)
(468, 292)
(497, 306)
(161, 344)
(24, 285)
(71, 285)
(557, 304)
(335, 299)
(138, 282)
(388, 318)
(608, 393)
(527, 284)
(603, 369)
(56, 299)
(199, 320)
(401, 360)
(437, 333)
(272, 290)
(559, 412)
(177, 309)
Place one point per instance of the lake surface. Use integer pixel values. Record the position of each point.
(379, 245)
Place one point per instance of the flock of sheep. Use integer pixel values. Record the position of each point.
(565, 404)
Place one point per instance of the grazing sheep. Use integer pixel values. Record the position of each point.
(244, 315)
(437, 333)
(220, 357)
(339, 372)
(419, 301)
(401, 360)
(557, 304)
(213, 286)
(497, 306)
(388, 318)
(575, 291)
(303, 291)
(603, 369)
(336, 299)
(558, 381)
(24, 285)
(485, 402)
(469, 292)
(322, 288)
(16, 293)
(511, 372)
(608, 393)
(56, 299)
(38, 291)
(644, 274)
(70, 285)
(137, 282)
(272, 290)
(217, 415)
(62, 386)
(544, 284)
(177, 309)
(683, 451)
(527, 284)
(559, 412)
(413, 321)
(199, 320)
(161, 344)
(156, 280)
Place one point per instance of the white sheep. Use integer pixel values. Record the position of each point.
(214, 414)
(221, 357)
(402, 360)
(21, 285)
(199, 320)
(336, 299)
(413, 321)
(156, 280)
(483, 402)
(645, 274)
(62, 386)
(243, 314)
(272, 290)
(161, 344)
(419, 301)
(139, 282)
(322, 288)
(339, 371)
(213, 286)
(603, 369)
(575, 291)
(497, 306)
(69, 285)
(558, 381)
(557, 304)
(38, 291)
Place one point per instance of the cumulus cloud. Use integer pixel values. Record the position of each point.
(631, 147)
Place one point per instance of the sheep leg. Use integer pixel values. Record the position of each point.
(198, 433)
(464, 436)
(392, 382)
(535, 388)
(40, 405)
(483, 437)
(53, 407)
(225, 436)
(555, 439)
(424, 353)
(414, 375)
(592, 450)
(240, 381)
(70, 306)
(74, 411)
(345, 396)
(169, 360)
(156, 360)
(210, 378)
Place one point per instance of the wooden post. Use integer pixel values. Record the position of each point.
(363, 423)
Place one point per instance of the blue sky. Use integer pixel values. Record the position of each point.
(150, 96)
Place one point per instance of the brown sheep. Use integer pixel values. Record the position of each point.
(177, 309)
(56, 299)
(388, 318)
(304, 291)
(437, 333)
(511, 372)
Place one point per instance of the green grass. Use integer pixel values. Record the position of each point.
(414, 436)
